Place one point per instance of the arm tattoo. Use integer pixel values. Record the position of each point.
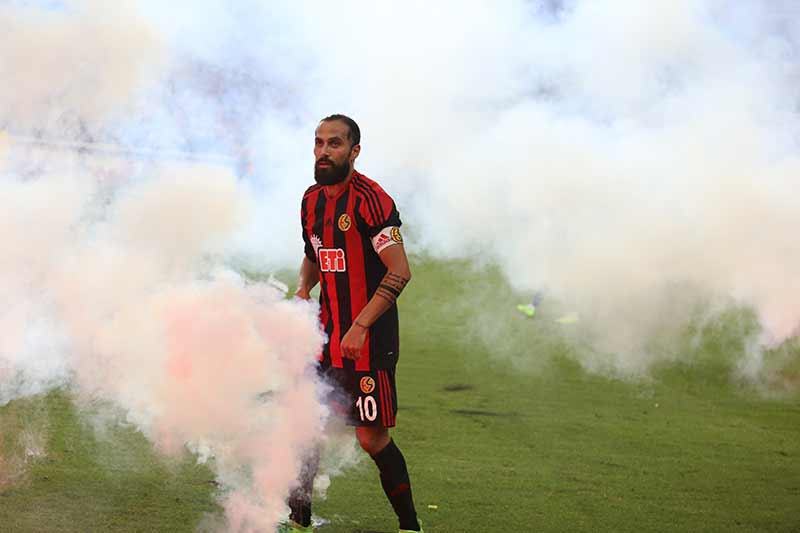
(396, 281)
(388, 297)
(391, 286)
(390, 289)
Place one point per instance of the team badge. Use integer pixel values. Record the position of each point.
(344, 222)
(396, 237)
(367, 384)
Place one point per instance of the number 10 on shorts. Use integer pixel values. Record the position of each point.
(367, 408)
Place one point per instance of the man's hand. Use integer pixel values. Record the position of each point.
(309, 277)
(392, 284)
(353, 341)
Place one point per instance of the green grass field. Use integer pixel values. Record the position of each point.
(502, 432)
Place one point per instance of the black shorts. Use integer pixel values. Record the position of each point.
(363, 398)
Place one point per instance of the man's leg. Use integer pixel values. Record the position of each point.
(300, 498)
(375, 440)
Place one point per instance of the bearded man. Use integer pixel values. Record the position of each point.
(353, 248)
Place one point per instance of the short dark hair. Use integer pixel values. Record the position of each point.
(355, 132)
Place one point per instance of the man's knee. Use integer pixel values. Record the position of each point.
(372, 439)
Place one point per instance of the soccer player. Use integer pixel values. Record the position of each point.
(353, 248)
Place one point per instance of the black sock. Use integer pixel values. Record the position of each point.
(300, 498)
(396, 485)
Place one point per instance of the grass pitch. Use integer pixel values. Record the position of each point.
(501, 431)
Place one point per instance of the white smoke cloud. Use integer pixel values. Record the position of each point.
(605, 151)
(133, 309)
(72, 67)
(113, 274)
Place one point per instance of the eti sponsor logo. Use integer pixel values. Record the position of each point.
(345, 222)
(367, 384)
(331, 260)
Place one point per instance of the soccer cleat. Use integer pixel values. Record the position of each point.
(290, 526)
(527, 309)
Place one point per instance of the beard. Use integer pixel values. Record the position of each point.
(331, 175)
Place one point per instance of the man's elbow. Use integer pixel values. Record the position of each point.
(402, 272)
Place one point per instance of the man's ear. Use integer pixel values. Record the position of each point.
(354, 152)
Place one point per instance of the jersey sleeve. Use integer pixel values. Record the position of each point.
(308, 248)
(378, 211)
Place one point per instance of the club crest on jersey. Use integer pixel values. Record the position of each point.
(345, 222)
(367, 384)
(331, 260)
(396, 237)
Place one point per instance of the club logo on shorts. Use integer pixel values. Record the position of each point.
(345, 222)
(367, 384)
(396, 237)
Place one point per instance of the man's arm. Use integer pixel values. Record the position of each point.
(308, 279)
(392, 284)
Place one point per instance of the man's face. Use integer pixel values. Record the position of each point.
(333, 152)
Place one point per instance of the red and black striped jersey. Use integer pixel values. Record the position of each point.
(337, 232)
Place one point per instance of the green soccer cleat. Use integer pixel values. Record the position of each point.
(290, 526)
(527, 309)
